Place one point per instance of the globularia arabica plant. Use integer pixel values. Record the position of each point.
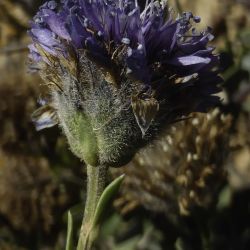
(118, 74)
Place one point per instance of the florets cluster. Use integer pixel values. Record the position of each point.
(119, 72)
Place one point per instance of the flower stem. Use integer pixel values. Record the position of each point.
(95, 187)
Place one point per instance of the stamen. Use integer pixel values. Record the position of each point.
(126, 40)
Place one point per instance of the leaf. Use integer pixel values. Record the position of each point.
(145, 111)
(106, 197)
(69, 241)
(101, 207)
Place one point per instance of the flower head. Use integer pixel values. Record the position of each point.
(120, 73)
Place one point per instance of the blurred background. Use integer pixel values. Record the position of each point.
(189, 190)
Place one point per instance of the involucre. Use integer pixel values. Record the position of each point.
(119, 73)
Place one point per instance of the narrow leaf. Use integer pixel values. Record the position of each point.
(106, 197)
(69, 242)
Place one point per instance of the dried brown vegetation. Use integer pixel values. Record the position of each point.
(182, 170)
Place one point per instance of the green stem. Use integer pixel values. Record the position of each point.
(95, 187)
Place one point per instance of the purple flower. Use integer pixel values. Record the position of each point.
(161, 66)
(151, 42)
